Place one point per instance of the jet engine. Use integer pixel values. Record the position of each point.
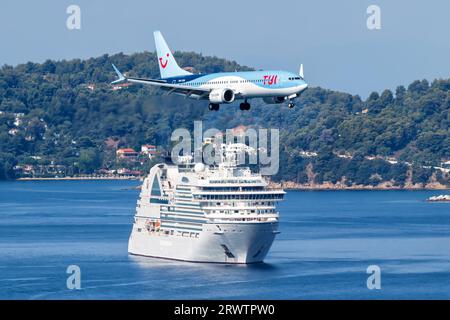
(274, 100)
(221, 96)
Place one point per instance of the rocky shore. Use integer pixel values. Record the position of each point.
(289, 185)
(83, 178)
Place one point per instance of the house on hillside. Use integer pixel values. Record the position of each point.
(120, 86)
(127, 154)
(239, 131)
(148, 150)
(13, 131)
(18, 118)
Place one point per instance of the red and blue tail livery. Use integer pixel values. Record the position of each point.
(274, 87)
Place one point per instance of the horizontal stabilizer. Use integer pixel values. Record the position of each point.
(119, 75)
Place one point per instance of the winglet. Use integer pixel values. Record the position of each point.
(119, 74)
(301, 71)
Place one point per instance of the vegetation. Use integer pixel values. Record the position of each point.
(65, 113)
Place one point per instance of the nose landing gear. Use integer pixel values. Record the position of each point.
(291, 105)
(213, 106)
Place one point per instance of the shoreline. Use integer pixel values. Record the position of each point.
(78, 178)
(365, 188)
(330, 186)
(285, 186)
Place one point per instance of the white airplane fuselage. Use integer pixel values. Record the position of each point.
(221, 87)
(247, 84)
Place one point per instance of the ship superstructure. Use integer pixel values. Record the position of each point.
(195, 212)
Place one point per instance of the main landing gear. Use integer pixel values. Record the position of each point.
(291, 105)
(213, 106)
(244, 105)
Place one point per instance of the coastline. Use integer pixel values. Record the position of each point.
(80, 178)
(289, 185)
(363, 188)
(286, 185)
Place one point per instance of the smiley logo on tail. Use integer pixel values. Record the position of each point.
(164, 64)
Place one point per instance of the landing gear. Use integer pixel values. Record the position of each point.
(244, 105)
(213, 106)
(291, 105)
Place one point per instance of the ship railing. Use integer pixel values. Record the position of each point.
(238, 216)
(241, 209)
(214, 192)
(244, 220)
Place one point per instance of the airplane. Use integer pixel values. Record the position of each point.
(274, 87)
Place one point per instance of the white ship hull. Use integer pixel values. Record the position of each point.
(218, 242)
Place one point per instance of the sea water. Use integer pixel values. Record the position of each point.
(328, 240)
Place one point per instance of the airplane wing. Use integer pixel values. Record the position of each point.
(169, 87)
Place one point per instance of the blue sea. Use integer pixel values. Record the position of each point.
(328, 239)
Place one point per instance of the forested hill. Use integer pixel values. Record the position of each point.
(65, 113)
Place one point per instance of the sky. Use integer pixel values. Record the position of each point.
(330, 38)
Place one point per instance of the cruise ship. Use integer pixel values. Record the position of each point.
(193, 212)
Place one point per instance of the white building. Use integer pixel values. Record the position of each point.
(149, 150)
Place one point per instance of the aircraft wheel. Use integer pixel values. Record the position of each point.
(213, 106)
(291, 105)
(244, 106)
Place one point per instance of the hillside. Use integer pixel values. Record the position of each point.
(64, 115)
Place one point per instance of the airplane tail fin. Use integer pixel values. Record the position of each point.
(168, 67)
